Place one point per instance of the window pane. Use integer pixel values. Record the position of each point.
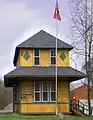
(16, 91)
(53, 52)
(45, 96)
(15, 88)
(53, 96)
(15, 97)
(37, 96)
(45, 86)
(53, 60)
(37, 86)
(53, 86)
(36, 53)
(36, 61)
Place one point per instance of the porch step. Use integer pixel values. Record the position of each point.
(77, 112)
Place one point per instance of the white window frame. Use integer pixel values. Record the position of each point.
(41, 92)
(37, 92)
(50, 93)
(52, 57)
(36, 57)
(45, 91)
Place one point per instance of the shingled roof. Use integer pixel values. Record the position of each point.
(34, 71)
(41, 40)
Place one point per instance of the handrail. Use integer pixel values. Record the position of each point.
(78, 105)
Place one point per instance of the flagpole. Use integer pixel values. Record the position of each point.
(57, 17)
(56, 69)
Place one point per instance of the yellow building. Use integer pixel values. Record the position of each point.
(33, 80)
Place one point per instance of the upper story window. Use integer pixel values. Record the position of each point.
(36, 57)
(53, 56)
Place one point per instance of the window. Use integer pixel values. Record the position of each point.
(44, 91)
(52, 91)
(16, 93)
(53, 56)
(37, 92)
(36, 57)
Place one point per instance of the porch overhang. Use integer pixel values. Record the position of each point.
(42, 73)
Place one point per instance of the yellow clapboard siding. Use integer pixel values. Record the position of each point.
(64, 62)
(22, 61)
(43, 108)
(64, 108)
(63, 96)
(63, 92)
(44, 58)
(29, 97)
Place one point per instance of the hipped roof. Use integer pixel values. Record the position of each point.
(32, 72)
(41, 40)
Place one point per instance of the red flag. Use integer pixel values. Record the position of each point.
(57, 12)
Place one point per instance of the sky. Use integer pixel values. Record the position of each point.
(20, 19)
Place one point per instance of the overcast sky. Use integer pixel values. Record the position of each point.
(20, 19)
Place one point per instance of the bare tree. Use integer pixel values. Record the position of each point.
(82, 21)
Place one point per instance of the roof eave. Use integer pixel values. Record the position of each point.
(8, 78)
(16, 55)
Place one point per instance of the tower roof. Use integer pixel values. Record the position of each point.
(41, 40)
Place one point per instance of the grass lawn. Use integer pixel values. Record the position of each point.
(48, 117)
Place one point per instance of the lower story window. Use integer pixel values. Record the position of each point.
(52, 92)
(37, 91)
(44, 91)
(16, 93)
(37, 96)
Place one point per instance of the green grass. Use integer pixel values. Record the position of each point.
(78, 118)
(48, 117)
